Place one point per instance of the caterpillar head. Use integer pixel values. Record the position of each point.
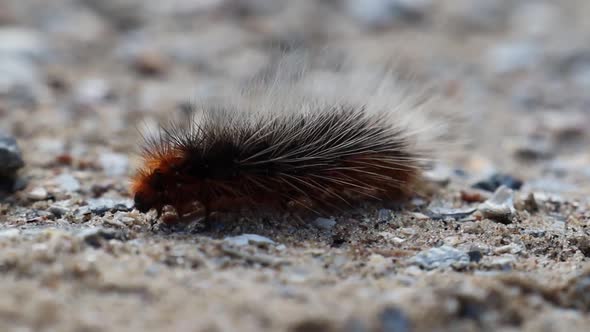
(149, 190)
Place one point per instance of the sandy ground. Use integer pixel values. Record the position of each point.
(78, 77)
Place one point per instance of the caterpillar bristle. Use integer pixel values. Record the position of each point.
(283, 150)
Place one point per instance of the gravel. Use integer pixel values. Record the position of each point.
(96, 236)
(67, 182)
(38, 194)
(10, 156)
(10, 162)
(500, 206)
(496, 180)
(324, 223)
(246, 239)
(441, 257)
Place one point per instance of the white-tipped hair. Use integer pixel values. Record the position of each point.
(306, 82)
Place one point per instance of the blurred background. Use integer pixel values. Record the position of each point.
(77, 76)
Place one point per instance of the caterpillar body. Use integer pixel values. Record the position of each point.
(320, 142)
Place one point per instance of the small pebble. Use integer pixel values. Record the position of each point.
(496, 180)
(67, 182)
(10, 156)
(420, 216)
(37, 194)
(473, 196)
(150, 64)
(533, 150)
(508, 249)
(440, 175)
(504, 263)
(530, 203)
(535, 232)
(384, 215)
(441, 213)
(407, 231)
(64, 159)
(94, 236)
(583, 244)
(475, 256)
(98, 189)
(391, 238)
(36, 216)
(58, 210)
(441, 257)
(324, 223)
(473, 228)
(125, 218)
(10, 162)
(246, 239)
(100, 206)
(500, 207)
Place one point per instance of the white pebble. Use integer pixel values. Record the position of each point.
(37, 194)
(324, 223)
(246, 239)
(500, 206)
(67, 182)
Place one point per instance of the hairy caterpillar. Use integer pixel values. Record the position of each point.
(319, 140)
